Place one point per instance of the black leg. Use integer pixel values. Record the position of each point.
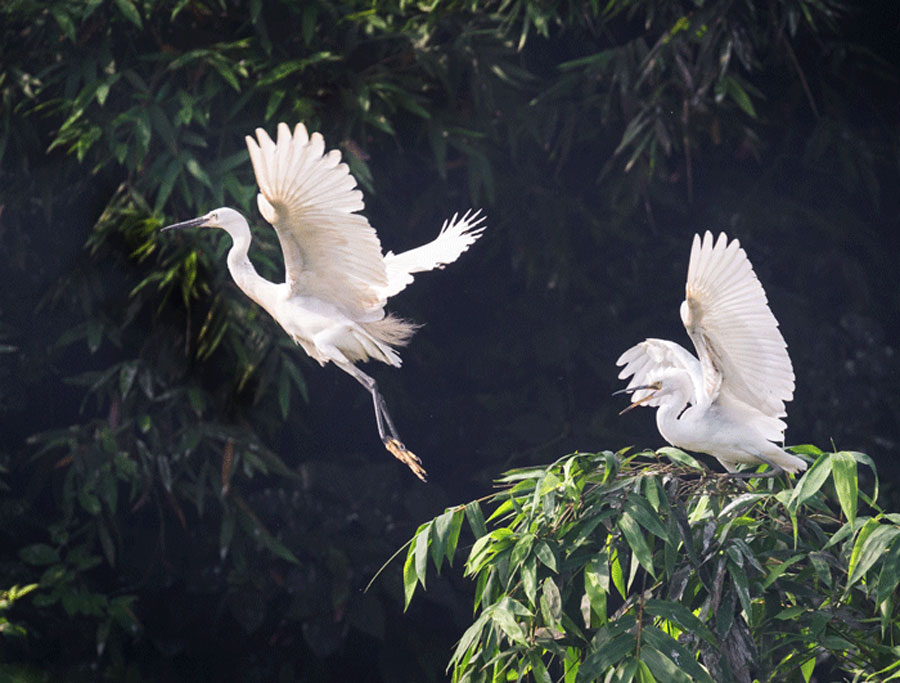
(390, 438)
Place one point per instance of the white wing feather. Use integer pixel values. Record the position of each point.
(330, 251)
(643, 360)
(727, 316)
(455, 237)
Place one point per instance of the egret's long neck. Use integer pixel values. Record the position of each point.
(245, 276)
(673, 404)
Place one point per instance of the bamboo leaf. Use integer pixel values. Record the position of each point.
(636, 542)
(599, 660)
(681, 615)
(869, 548)
(843, 469)
(439, 538)
(422, 551)
(476, 519)
(889, 577)
(409, 574)
(811, 482)
(679, 456)
(546, 555)
(130, 12)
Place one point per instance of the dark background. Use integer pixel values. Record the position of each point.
(187, 512)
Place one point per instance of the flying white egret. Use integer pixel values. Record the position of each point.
(730, 402)
(337, 281)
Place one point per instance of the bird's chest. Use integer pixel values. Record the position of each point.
(305, 317)
(694, 429)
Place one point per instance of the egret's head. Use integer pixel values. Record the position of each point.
(224, 218)
(649, 391)
(660, 383)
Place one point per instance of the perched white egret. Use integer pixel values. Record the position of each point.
(337, 281)
(730, 402)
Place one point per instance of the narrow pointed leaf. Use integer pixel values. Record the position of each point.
(846, 483)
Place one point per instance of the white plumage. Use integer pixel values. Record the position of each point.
(337, 281)
(729, 401)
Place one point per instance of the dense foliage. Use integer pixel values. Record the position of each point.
(604, 567)
(192, 496)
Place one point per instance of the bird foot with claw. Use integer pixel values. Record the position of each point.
(410, 459)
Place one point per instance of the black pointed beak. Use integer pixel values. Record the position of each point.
(193, 223)
(631, 390)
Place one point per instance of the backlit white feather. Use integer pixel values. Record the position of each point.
(456, 235)
(727, 316)
(729, 402)
(330, 252)
(642, 361)
(337, 281)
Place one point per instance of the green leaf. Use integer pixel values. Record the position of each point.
(476, 519)
(529, 579)
(39, 554)
(89, 501)
(442, 525)
(194, 168)
(780, 569)
(843, 471)
(551, 602)
(615, 571)
(64, 21)
(546, 555)
(807, 668)
(632, 130)
(811, 482)
(640, 509)
(663, 668)
(586, 529)
(599, 660)
(130, 12)
(681, 615)
(741, 586)
(256, 530)
(869, 548)
(672, 651)
(679, 456)
(453, 534)
(520, 550)
(422, 551)
(597, 61)
(889, 577)
(409, 574)
(471, 634)
(596, 587)
(789, 613)
(504, 615)
(637, 542)
(732, 87)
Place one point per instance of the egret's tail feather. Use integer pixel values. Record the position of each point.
(786, 461)
(376, 340)
(456, 235)
(791, 463)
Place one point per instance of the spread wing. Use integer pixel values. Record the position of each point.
(727, 316)
(455, 237)
(330, 251)
(643, 360)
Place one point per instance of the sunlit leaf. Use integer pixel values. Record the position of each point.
(843, 468)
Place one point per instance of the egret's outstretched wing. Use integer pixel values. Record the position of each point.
(651, 355)
(330, 251)
(456, 235)
(737, 339)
